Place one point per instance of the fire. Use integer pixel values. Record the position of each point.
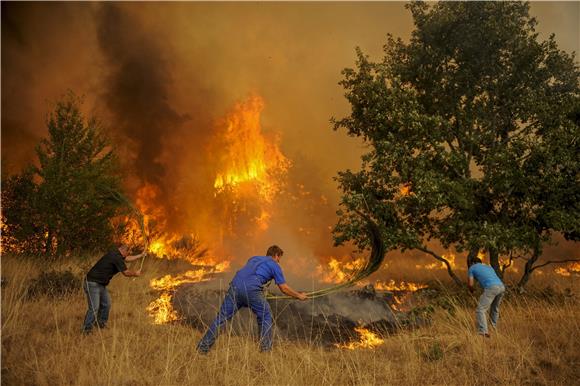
(569, 270)
(405, 190)
(247, 156)
(169, 282)
(162, 310)
(439, 265)
(337, 271)
(402, 286)
(368, 339)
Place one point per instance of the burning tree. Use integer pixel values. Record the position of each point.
(64, 203)
(472, 134)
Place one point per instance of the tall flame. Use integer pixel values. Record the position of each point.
(246, 154)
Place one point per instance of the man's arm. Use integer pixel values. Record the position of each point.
(286, 289)
(130, 273)
(135, 257)
(470, 284)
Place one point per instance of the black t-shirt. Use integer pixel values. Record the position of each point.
(107, 267)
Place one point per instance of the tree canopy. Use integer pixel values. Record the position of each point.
(64, 203)
(472, 131)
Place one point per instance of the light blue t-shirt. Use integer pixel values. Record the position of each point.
(258, 271)
(484, 274)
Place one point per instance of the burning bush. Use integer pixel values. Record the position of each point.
(54, 284)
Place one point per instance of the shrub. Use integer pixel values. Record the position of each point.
(53, 284)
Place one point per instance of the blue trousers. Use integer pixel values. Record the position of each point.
(233, 301)
(99, 302)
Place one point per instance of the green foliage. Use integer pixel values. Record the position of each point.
(432, 352)
(478, 120)
(66, 200)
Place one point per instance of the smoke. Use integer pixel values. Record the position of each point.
(137, 91)
(161, 76)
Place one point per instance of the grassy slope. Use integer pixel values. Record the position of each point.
(538, 343)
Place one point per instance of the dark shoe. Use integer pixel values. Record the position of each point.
(486, 335)
(86, 332)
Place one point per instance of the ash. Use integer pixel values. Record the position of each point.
(323, 321)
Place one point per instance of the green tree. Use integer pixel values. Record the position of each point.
(68, 196)
(21, 230)
(470, 136)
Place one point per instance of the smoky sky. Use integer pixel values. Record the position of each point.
(159, 75)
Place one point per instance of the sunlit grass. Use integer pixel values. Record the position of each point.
(537, 343)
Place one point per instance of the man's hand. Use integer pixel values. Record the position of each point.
(129, 273)
(285, 288)
(302, 296)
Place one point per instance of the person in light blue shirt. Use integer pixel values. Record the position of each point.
(247, 290)
(493, 292)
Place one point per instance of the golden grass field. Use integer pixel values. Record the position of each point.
(538, 343)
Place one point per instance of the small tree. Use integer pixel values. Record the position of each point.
(68, 195)
(464, 126)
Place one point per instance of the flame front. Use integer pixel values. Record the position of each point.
(247, 156)
(402, 286)
(161, 309)
(569, 270)
(367, 339)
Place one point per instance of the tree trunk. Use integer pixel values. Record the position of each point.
(494, 262)
(528, 268)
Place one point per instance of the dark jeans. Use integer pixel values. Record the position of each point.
(99, 303)
(233, 301)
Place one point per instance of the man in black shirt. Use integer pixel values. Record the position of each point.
(95, 284)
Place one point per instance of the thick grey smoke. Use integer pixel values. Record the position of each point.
(137, 90)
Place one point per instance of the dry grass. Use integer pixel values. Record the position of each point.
(537, 343)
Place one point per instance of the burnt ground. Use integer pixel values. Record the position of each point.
(323, 321)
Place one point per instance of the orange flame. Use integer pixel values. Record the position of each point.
(568, 270)
(405, 190)
(247, 155)
(439, 265)
(402, 286)
(162, 310)
(337, 271)
(368, 339)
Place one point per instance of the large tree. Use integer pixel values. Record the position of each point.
(472, 139)
(65, 202)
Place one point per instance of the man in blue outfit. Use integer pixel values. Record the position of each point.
(96, 281)
(493, 291)
(247, 290)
